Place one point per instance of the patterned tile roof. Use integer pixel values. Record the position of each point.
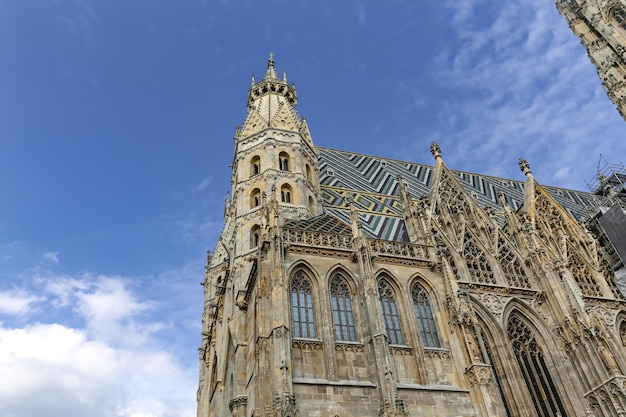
(372, 182)
(322, 223)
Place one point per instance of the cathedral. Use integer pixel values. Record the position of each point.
(601, 27)
(348, 285)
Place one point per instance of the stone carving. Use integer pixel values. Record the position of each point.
(349, 347)
(437, 353)
(494, 303)
(307, 345)
(435, 149)
(237, 402)
(478, 374)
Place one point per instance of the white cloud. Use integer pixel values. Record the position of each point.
(114, 365)
(16, 302)
(523, 87)
(51, 256)
(203, 184)
(59, 371)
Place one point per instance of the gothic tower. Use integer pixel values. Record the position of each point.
(347, 285)
(601, 27)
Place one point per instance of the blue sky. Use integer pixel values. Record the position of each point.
(116, 132)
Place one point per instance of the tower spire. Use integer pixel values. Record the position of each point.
(270, 72)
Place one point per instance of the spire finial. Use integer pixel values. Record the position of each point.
(436, 151)
(270, 72)
(524, 166)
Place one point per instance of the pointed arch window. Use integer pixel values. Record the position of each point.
(424, 315)
(390, 312)
(342, 309)
(534, 369)
(302, 306)
(622, 333)
(486, 356)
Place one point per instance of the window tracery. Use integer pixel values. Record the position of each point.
(390, 312)
(584, 278)
(512, 268)
(342, 309)
(534, 369)
(452, 197)
(477, 263)
(302, 306)
(424, 315)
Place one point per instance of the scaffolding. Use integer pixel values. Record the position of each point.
(608, 211)
(609, 184)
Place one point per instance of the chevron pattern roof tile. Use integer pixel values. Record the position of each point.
(373, 184)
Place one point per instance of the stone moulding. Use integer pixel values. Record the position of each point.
(497, 289)
(349, 347)
(317, 239)
(401, 350)
(305, 344)
(237, 402)
(437, 353)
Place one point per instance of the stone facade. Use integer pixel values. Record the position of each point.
(601, 27)
(347, 285)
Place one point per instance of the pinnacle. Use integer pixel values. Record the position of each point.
(270, 72)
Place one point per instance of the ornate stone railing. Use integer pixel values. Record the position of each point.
(319, 239)
(400, 249)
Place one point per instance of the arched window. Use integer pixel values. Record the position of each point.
(255, 198)
(308, 173)
(342, 309)
(255, 234)
(622, 333)
(311, 203)
(534, 369)
(486, 355)
(424, 314)
(286, 194)
(302, 306)
(390, 312)
(283, 161)
(255, 165)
